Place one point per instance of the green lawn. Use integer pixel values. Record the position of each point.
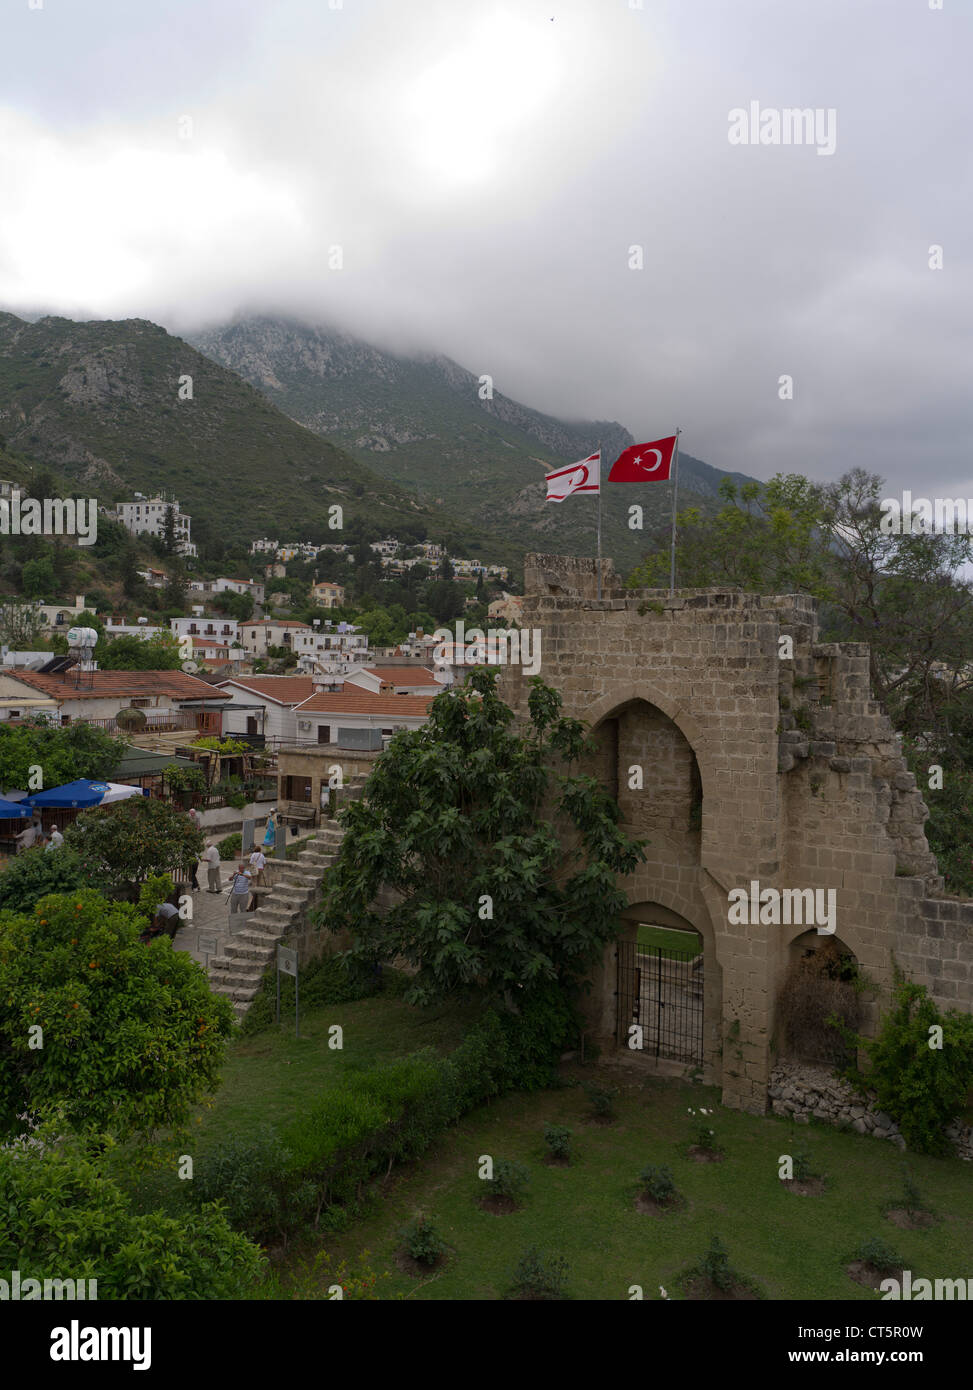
(271, 1077)
(669, 938)
(795, 1247)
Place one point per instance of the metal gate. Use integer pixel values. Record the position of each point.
(660, 989)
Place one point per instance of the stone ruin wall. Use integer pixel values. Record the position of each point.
(803, 786)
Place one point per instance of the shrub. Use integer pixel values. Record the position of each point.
(880, 1256)
(252, 1178)
(423, 1241)
(229, 847)
(715, 1265)
(63, 1215)
(923, 1088)
(509, 1179)
(912, 1199)
(558, 1140)
(33, 874)
(602, 1097)
(803, 1166)
(705, 1138)
(543, 1278)
(658, 1183)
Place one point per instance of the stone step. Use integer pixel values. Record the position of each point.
(256, 941)
(233, 964)
(241, 979)
(237, 993)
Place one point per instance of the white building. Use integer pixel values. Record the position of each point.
(211, 625)
(263, 547)
(395, 680)
(170, 698)
(336, 717)
(61, 616)
(265, 705)
(146, 516)
(119, 626)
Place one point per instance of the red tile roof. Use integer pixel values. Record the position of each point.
(283, 690)
(178, 685)
(364, 702)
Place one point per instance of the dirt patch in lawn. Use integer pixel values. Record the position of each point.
(499, 1206)
(603, 1120)
(804, 1187)
(416, 1268)
(699, 1288)
(648, 1206)
(701, 1155)
(556, 1161)
(910, 1220)
(867, 1274)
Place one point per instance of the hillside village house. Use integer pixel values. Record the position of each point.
(353, 718)
(146, 516)
(263, 706)
(58, 616)
(253, 587)
(169, 699)
(118, 625)
(212, 626)
(395, 680)
(327, 595)
(156, 579)
(260, 634)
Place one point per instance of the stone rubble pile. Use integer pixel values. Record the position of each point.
(801, 1090)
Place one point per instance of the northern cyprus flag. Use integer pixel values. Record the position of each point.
(584, 476)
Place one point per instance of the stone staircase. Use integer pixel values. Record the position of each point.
(296, 888)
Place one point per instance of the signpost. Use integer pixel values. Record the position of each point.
(208, 945)
(287, 965)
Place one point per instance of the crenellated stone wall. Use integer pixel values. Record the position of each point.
(802, 781)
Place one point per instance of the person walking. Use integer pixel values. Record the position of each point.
(211, 858)
(270, 834)
(258, 862)
(239, 891)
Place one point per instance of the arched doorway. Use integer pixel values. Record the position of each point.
(821, 982)
(660, 997)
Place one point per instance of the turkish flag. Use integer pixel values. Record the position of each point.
(644, 463)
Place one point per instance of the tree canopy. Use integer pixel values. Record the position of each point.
(505, 857)
(131, 653)
(62, 754)
(134, 840)
(132, 1036)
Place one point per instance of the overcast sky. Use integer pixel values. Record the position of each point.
(485, 168)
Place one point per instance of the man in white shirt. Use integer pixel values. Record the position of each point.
(27, 837)
(54, 838)
(211, 858)
(258, 863)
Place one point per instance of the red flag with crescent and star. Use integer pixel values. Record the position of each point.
(644, 463)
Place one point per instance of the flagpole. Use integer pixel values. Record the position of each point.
(675, 491)
(599, 522)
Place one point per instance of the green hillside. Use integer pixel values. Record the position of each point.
(419, 422)
(99, 403)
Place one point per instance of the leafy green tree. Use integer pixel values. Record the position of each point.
(169, 530)
(35, 873)
(62, 754)
(174, 593)
(133, 840)
(64, 1216)
(132, 1035)
(445, 599)
(131, 653)
(468, 821)
(922, 1087)
(38, 578)
(239, 606)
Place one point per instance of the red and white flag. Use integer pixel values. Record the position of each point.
(644, 463)
(584, 476)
